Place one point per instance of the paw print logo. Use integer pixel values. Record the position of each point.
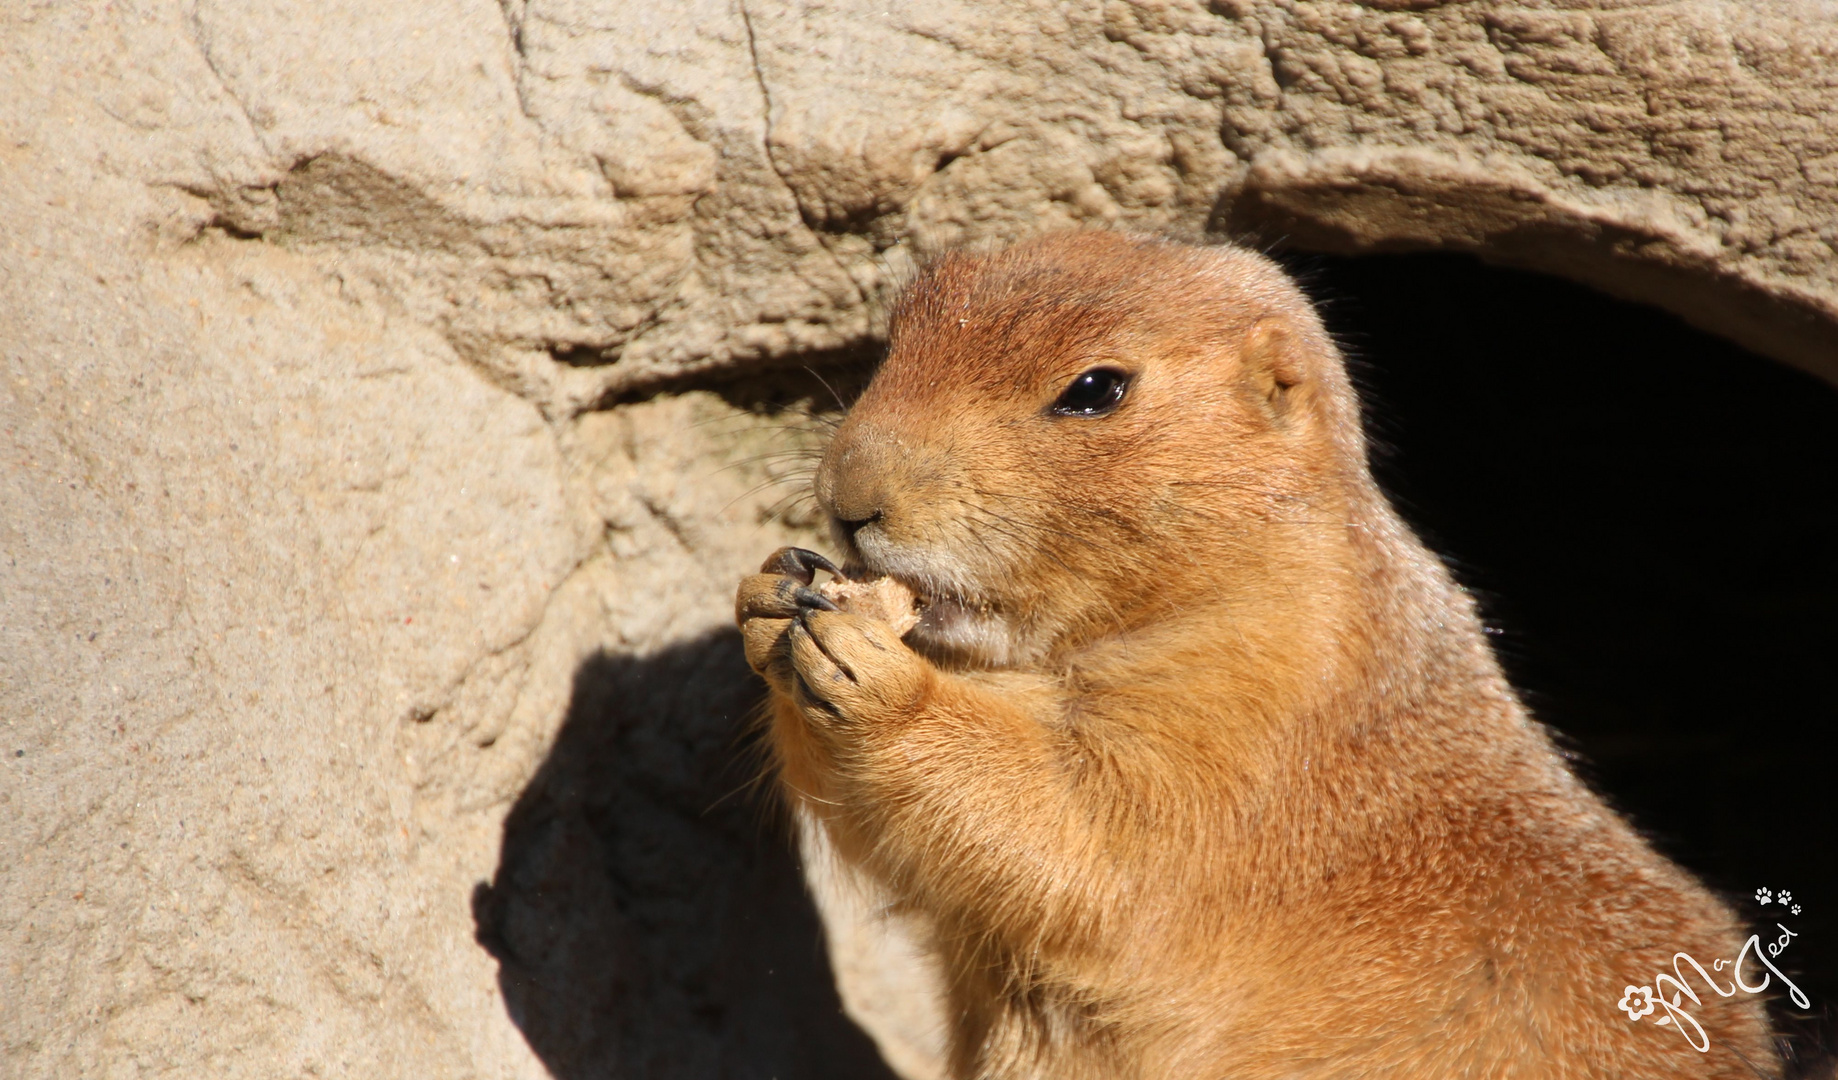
(1636, 1002)
(1785, 897)
(1795, 909)
(1763, 897)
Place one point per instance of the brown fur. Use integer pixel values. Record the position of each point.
(1201, 766)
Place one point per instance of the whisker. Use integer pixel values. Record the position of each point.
(827, 386)
(1017, 531)
(777, 455)
(825, 419)
(1076, 537)
(754, 490)
(786, 504)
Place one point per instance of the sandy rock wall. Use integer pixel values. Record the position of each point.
(368, 524)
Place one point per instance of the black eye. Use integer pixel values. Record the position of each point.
(1098, 392)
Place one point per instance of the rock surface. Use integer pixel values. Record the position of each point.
(368, 527)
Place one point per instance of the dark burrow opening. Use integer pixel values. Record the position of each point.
(1649, 515)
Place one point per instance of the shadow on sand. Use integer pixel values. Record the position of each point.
(647, 919)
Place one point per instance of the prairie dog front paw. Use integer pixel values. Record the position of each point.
(855, 667)
(768, 603)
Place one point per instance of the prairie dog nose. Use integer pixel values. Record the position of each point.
(853, 482)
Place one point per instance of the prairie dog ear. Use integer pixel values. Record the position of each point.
(1272, 363)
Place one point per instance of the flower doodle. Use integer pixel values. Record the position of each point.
(1636, 1002)
(1763, 897)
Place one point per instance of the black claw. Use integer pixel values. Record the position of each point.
(811, 598)
(799, 563)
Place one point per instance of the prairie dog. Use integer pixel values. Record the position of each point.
(1196, 763)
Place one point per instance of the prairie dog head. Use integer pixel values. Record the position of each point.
(1071, 436)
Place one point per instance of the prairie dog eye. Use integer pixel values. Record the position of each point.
(1098, 392)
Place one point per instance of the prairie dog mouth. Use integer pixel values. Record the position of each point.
(883, 598)
(958, 632)
(940, 621)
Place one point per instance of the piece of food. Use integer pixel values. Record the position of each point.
(877, 598)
